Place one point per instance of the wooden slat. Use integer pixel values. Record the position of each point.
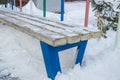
(92, 32)
(34, 25)
(51, 38)
(84, 35)
(71, 36)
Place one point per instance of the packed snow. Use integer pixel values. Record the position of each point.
(21, 55)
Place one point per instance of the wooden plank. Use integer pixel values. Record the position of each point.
(71, 36)
(92, 32)
(73, 33)
(51, 38)
(95, 33)
(83, 34)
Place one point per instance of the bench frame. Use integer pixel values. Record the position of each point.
(51, 57)
(54, 37)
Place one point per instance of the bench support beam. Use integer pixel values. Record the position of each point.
(51, 60)
(51, 57)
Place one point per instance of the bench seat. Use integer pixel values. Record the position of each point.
(48, 31)
(54, 37)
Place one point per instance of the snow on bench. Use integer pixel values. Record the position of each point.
(54, 36)
(47, 31)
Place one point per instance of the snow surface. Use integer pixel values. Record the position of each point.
(21, 54)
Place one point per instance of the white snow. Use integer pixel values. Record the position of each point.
(21, 54)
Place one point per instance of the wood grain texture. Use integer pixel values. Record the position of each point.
(48, 31)
(94, 33)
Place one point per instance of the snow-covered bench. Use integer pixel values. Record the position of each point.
(53, 36)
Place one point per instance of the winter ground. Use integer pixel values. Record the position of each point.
(21, 54)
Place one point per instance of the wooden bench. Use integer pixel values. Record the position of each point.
(54, 36)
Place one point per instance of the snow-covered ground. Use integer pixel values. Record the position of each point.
(21, 54)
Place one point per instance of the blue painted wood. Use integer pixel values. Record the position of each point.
(62, 10)
(67, 46)
(51, 58)
(80, 51)
(12, 4)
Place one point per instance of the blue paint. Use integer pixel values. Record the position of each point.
(51, 60)
(67, 46)
(12, 4)
(81, 51)
(51, 57)
(62, 10)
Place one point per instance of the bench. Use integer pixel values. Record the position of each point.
(54, 36)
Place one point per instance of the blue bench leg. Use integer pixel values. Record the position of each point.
(80, 51)
(51, 59)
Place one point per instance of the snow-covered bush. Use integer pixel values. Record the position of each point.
(106, 15)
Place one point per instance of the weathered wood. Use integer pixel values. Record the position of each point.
(61, 25)
(71, 36)
(51, 32)
(51, 38)
(74, 34)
